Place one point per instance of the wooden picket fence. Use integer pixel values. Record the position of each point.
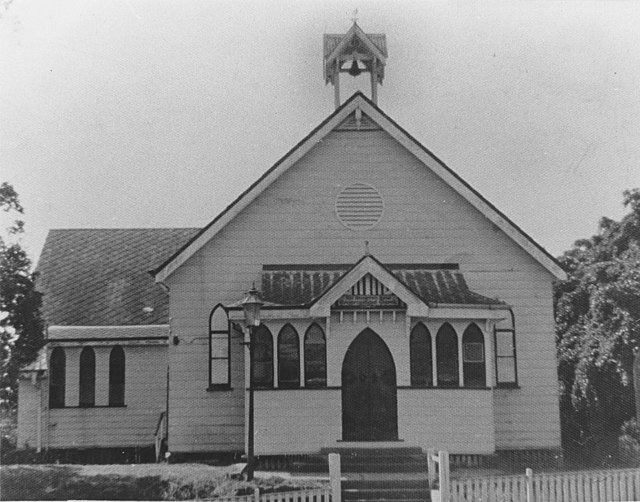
(585, 486)
(314, 495)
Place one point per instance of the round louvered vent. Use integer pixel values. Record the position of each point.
(359, 206)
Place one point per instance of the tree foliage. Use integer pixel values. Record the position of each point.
(598, 333)
(21, 325)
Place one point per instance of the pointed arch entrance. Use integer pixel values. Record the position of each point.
(369, 392)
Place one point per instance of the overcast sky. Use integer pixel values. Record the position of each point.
(159, 114)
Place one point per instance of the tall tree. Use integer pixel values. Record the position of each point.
(598, 333)
(21, 324)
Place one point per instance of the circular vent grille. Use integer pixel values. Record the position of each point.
(359, 206)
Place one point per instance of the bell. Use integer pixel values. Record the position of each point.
(355, 70)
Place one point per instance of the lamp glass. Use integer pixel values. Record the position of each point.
(251, 306)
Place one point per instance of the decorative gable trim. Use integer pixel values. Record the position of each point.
(359, 101)
(368, 265)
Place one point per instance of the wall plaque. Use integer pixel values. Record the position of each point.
(359, 302)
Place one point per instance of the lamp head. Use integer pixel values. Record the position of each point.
(251, 307)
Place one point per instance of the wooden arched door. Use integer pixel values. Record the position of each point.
(369, 392)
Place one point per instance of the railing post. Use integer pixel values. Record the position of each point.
(431, 466)
(256, 494)
(335, 476)
(529, 474)
(443, 460)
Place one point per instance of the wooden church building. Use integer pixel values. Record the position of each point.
(398, 307)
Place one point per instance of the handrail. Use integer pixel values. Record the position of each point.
(160, 421)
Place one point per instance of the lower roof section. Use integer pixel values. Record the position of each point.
(301, 286)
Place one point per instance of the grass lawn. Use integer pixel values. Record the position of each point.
(131, 482)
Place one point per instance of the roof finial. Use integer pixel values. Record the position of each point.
(366, 248)
(354, 16)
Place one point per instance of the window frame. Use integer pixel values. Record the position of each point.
(307, 360)
(412, 357)
(117, 372)
(291, 331)
(87, 378)
(473, 330)
(262, 329)
(219, 385)
(457, 358)
(61, 372)
(514, 355)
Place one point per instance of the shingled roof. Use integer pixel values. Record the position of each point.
(302, 286)
(99, 277)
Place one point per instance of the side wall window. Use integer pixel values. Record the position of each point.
(447, 356)
(57, 378)
(473, 358)
(288, 357)
(505, 350)
(116, 376)
(420, 355)
(262, 347)
(87, 378)
(219, 348)
(315, 357)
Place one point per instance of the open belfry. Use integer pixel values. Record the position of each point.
(354, 53)
(391, 309)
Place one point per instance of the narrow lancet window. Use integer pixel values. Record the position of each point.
(262, 347)
(57, 378)
(288, 357)
(87, 378)
(219, 349)
(315, 357)
(116, 376)
(420, 354)
(447, 356)
(474, 367)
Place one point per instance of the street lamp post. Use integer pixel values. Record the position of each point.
(251, 307)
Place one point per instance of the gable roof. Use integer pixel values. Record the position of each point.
(360, 102)
(95, 277)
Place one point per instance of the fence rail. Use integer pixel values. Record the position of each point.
(587, 486)
(315, 495)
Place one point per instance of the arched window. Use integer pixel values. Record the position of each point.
(288, 357)
(315, 357)
(262, 346)
(57, 369)
(420, 355)
(219, 349)
(473, 360)
(116, 376)
(447, 356)
(87, 377)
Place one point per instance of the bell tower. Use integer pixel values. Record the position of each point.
(354, 53)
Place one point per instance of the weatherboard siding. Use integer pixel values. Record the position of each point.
(105, 426)
(304, 421)
(425, 221)
(28, 404)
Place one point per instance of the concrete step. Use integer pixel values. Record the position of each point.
(385, 494)
(425, 498)
(384, 467)
(373, 484)
(373, 451)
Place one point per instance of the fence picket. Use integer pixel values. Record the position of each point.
(587, 486)
(484, 490)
